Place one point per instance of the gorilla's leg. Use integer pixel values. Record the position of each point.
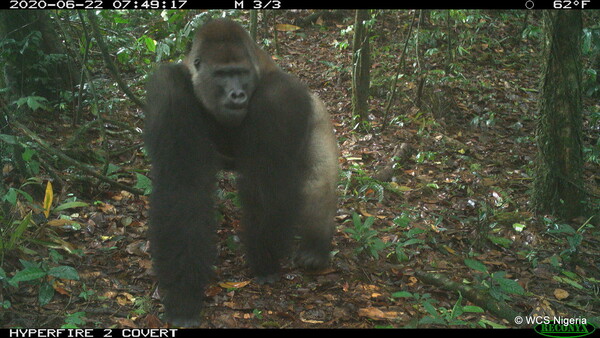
(272, 164)
(270, 192)
(181, 212)
(267, 232)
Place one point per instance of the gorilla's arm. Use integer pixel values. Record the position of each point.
(183, 173)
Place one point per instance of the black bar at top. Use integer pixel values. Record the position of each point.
(301, 4)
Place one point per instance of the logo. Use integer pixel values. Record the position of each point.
(557, 330)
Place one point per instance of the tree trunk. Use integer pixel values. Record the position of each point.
(253, 24)
(361, 62)
(558, 185)
(35, 62)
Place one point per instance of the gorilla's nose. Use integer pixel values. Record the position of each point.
(237, 99)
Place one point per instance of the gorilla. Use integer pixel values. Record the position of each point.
(228, 105)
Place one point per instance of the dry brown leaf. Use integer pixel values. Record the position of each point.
(284, 27)
(377, 314)
(125, 298)
(153, 322)
(233, 285)
(60, 222)
(212, 291)
(561, 294)
(137, 248)
(107, 208)
(59, 287)
(125, 323)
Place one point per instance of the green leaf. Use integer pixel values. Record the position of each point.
(76, 318)
(64, 272)
(402, 294)
(369, 222)
(510, 286)
(143, 183)
(70, 205)
(475, 265)
(111, 169)
(36, 102)
(413, 241)
(27, 274)
(503, 242)
(402, 222)
(11, 196)
(28, 155)
(569, 274)
(401, 255)
(497, 294)
(28, 264)
(9, 139)
(472, 308)
(492, 324)
(431, 309)
(428, 320)
(568, 281)
(415, 231)
(46, 293)
(16, 235)
(150, 44)
(519, 227)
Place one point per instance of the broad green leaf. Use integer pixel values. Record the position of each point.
(150, 44)
(143, 183)
(510, 286)
(475, 265)
(503, 242)
(64, 272)
(9, 139)
(45, 294)
(27, 274)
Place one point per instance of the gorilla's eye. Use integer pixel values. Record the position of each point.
(197, 63)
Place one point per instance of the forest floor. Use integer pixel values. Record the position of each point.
(460, 193)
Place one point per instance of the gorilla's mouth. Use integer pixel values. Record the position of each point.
(234, 106)
(232, 117)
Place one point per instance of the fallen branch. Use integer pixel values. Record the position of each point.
(477, 297)
(83, 167)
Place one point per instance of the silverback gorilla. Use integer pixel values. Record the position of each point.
(228, 105)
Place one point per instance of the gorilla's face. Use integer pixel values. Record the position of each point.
(223, 83)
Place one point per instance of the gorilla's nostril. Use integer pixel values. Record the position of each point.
(238, 97)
